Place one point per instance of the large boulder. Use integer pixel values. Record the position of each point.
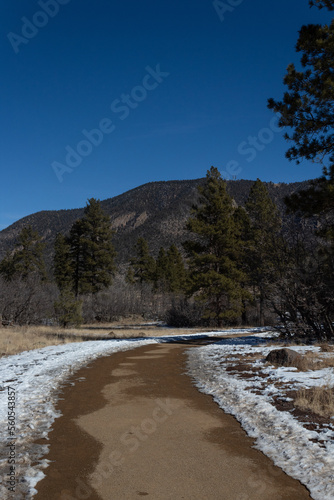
(283, 357)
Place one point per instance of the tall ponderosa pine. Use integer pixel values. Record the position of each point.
(264, 237)
(307, 108)
(87, 254)
(216, 279)
(97, 253)
(27, 258)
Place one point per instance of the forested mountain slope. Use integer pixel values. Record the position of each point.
(156, 211)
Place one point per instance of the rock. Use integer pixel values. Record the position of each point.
(283, 357)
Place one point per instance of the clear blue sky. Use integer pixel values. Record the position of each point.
(175, 87)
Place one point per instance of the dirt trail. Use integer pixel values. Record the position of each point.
(136, 426)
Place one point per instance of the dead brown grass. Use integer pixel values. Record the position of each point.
(14, 340)
(310, 360)
(325, 347)
(313, 361)
(25, 338)
(319, 400)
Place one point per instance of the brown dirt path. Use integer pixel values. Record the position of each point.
(137, 427)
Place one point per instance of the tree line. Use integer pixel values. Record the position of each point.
(238, 266)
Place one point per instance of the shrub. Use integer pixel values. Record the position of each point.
(319, 400)
(184, 313)
(68, 309)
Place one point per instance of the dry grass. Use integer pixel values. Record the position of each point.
(319, 400)
(25, 338)
(313, 361)
(324, 347)
(14, 340)
(310, 360)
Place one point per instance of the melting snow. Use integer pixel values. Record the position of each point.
(303, 454)
(38, 375)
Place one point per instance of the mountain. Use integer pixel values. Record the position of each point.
(156, 211)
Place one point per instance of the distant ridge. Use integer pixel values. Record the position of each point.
(156, 211)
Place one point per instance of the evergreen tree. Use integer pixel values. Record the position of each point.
(307, 108)
(130, 276)
(170, 274)
(85, 260)
(142, 266)
(329, 4)
(97, 249)
(243, 231)
(7, 268)
(161, 267)
(27, 258)
(175, 272)
(263, 240)
(76, 255)
(215, 276)
(68, 309)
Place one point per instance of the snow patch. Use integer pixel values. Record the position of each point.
(277, 433)
(36, 376)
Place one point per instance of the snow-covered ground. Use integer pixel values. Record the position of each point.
(306, 455)
(29, 385)
(31, 380)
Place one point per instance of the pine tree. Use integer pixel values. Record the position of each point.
(161, 266)
(329, 4)
(27, 258)
(142, 266)
(215, 275)
(307, 113)
(76, 255)
(98, 252)
(243, 231)
(130, 276)
(68, 309)
(7, 268)
(85, 259)
(170, 274)
(175, 272)
(264, 238)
